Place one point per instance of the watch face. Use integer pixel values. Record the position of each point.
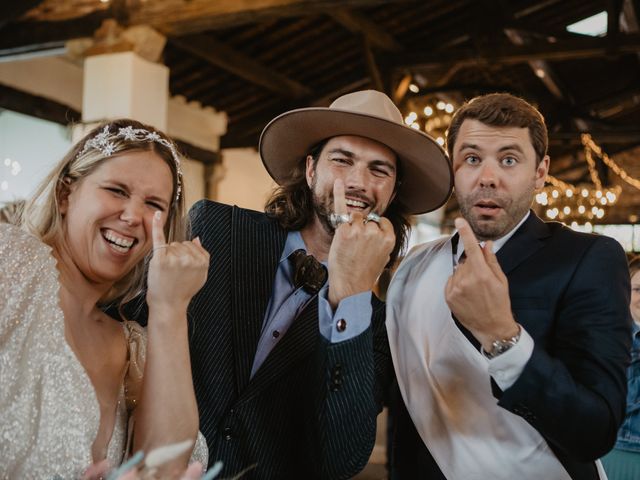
(500, 346)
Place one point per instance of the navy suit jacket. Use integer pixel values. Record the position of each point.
(310, 410)
(570, 292)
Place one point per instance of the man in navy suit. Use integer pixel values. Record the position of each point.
(290, 356)
(510, 338)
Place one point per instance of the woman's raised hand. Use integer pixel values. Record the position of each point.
(176, 271)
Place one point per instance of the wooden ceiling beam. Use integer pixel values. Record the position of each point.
(601, 136)
(614, 9)
(359, 24)
(372, 67)
(201, 15)
(543, 71)
(634, 11)
(173, 18)
(627, 98)
(512, 54)
(52, 111)
(248, 130)
(35, 106)
(21, 37)
(11, 10)
(239, 64)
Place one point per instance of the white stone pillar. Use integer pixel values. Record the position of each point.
(120, 85)
(123, 85)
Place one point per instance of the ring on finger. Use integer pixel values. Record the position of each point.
(158, 247)
(372, 217)
(337, 219)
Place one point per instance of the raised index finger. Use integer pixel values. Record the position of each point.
(471, 247)
(339, 200)
(157, 232)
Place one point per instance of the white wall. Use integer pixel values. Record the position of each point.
(244, 182)
(193, 176)
(36, 145)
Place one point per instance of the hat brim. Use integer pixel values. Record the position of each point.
(427, 177)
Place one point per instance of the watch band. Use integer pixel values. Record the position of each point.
(498, 347)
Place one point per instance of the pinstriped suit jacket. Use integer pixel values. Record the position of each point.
(310, 410)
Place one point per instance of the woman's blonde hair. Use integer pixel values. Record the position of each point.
(42, 216)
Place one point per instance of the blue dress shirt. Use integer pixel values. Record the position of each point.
(287, 302)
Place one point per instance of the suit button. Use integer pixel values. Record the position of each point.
(341, 325)
(228, 433)
(275, 334)
(336, 383)
(336, 377)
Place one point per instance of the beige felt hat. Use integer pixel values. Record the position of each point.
(427, 178)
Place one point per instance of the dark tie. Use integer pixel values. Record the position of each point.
(308, 273)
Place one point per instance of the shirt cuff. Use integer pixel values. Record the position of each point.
(506, 368)
(351, 318)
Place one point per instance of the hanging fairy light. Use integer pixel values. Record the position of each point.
(585, 202)
(575, 203)
(430, 114)
(592, 147)
(9, 168)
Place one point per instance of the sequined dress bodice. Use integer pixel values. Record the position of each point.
(48, 407)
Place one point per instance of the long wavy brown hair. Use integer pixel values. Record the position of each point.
(291, 204)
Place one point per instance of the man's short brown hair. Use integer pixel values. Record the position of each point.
(502, 110)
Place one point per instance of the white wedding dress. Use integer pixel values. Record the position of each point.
(49, 413)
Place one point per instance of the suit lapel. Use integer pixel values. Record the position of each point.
(527, 240)
(299, 340)
(257, 244)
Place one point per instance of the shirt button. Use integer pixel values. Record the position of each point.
(275, 334)
(341, 325)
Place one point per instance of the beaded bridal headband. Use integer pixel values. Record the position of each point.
(104, 142)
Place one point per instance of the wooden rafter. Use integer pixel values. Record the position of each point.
(603, 136)
(52, 111)
(23, 37)
(509, 55)
(614, 8)
(360, 24)
(199, 15)
(231, 60)
(11, 10)
(171, 17)
(374, 71)
(35, 106)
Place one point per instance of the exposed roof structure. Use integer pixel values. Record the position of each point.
(255, 59)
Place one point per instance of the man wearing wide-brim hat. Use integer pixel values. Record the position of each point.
(289, 350)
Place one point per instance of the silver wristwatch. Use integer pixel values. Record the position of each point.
(498, 347)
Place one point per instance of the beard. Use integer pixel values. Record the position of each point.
(493, 227)
(322, 207)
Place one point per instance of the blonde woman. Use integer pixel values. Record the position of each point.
(77, 386)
